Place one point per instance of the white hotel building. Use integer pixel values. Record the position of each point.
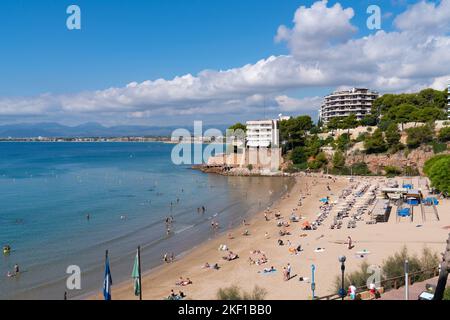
(357, 101)
(262, 134)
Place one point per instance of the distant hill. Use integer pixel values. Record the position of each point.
(90, 129)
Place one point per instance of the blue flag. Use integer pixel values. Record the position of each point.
(107, 282)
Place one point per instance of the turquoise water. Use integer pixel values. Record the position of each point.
(46, 190)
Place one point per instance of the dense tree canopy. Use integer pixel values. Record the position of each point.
(293, 131)
(438, 170)
(238, 126)
(393, 137)
(426, 105)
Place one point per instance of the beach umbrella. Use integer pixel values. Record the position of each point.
(107, 282)
(136, 274)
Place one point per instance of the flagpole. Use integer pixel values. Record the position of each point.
(139, 268)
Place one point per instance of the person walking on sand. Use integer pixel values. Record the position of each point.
(349, 243)
(289, 269)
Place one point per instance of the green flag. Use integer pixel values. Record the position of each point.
(136, 276)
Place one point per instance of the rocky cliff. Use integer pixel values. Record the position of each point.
(376, 162)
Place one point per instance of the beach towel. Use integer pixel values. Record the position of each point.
(267, 272)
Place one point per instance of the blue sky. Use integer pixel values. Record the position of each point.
(124, 41)
(133, 41)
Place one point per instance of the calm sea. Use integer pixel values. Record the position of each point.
(128, 189)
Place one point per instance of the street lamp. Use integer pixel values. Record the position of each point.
(342, 291)
(313, 283)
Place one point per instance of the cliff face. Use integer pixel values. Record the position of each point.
(376, 162)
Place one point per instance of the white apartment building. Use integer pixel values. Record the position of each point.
(262, 134)
(357, 101)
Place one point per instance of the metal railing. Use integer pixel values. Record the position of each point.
(392, 283)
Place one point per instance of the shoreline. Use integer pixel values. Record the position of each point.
(207, 245)
(223, 233)
(380, 240)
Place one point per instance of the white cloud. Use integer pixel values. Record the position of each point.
(426, 17)
(289, 104)
(317, 27)
(324, 53)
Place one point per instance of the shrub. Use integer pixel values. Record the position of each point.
(418, 136)
(357, 278)
(392, 267)
(375, 143)
(230, 293)
(393, 137)
(439, 174)
(444, 134)
(392, 171)
(362, 136)
(361, 169)
(250, 167)
(411, 171)
(446, 294)
(235, 293)
(298, 155)
(438, 147)
(430, 162)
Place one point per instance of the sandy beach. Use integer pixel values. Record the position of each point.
(380, 240)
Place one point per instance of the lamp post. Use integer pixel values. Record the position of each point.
(342, 291)
(406, 280)
(313, 283)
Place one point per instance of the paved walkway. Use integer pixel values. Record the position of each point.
(414, 291)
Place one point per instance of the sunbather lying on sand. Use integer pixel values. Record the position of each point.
(231, 256)
(268, 270)
(183, 282)
(208, 266)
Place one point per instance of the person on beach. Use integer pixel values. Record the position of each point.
(285, 274)
(349, 243)
(172, 257)
(166, 258)
(266, 217)
(288, 269)
(16, 269)
(352, 292)
(267, 270)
